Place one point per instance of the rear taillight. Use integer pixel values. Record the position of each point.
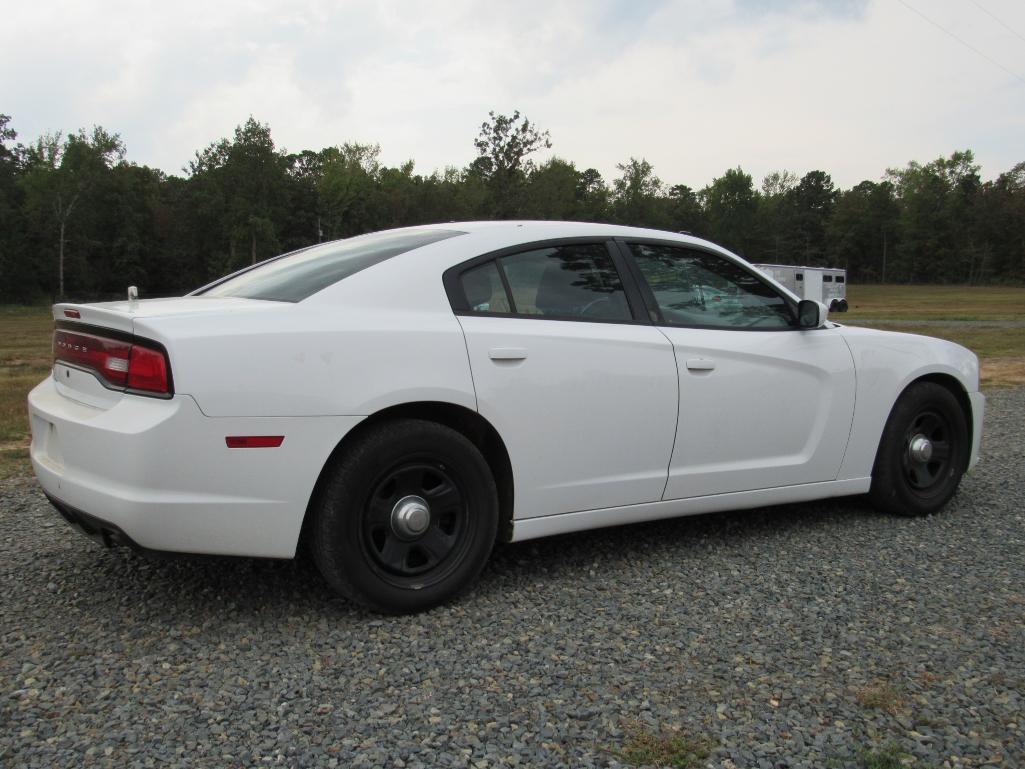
(136, 365)
(147, 370)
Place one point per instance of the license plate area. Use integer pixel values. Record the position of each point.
(46, 443)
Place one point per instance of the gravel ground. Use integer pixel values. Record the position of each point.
(795, 636)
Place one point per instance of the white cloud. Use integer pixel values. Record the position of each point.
(695, 87)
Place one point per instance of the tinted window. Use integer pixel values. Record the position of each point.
(693, 288)
(827, 278)
(295, 276)
(483, 289)
(574, 281)
(841, 279)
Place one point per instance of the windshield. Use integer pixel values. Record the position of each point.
(295, 276)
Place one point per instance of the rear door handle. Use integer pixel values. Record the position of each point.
(507, 353)
(700, 364)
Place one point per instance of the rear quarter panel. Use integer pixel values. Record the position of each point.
(381, 337)
(310, 360)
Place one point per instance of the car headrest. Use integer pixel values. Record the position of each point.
(477, 287)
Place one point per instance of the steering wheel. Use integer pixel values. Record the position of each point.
(598, 303)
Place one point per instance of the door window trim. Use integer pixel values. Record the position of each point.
(655, 311)
(452, 281)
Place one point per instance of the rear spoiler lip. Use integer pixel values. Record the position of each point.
(94, 315)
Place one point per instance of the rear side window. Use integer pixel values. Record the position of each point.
(841, 279)
(483, 289)
(572, 282)
(295, 276)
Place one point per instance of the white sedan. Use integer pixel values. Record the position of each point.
(401, 400)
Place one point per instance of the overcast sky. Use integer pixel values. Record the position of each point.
(847, 86)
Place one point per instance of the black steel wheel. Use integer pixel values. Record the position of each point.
(923, 452)
(926, 458)
(405, 518)
(413, 522)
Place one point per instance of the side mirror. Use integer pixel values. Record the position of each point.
(811, 314)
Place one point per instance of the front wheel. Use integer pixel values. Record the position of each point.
(923, 452)
(406, 518)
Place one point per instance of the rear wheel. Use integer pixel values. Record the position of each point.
(406, 518)
(923, 451)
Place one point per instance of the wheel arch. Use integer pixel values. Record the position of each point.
(896, 485)
(957, 389)
(950, 383)
(465, 421)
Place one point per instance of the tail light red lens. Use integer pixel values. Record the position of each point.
(106, 357)
(135, 365)
(147, 370)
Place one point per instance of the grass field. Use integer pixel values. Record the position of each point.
(25, 338)
(953, 303)
(949, 310)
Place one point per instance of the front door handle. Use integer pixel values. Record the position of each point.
(507, 353)
(700, 364)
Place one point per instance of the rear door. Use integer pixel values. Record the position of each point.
(762, 402)
(581, 387)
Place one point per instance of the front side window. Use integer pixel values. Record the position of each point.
(571, 282)
(694, 288)
(293, 277)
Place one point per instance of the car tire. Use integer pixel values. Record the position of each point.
(923, 452)
(405, 518)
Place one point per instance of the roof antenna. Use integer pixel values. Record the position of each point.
(133, 297)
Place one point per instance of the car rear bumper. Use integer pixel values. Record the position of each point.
(158, 474)
(103, 532)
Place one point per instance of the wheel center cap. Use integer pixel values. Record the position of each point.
(410, 517)
(920, 449)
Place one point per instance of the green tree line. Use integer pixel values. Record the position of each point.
(78, 219)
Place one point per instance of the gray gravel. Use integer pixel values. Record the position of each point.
(793, 636)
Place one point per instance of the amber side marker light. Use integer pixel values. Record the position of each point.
(254, 441)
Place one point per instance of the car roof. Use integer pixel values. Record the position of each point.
(492, 235)
(527, 229)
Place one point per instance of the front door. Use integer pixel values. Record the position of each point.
(763, 403)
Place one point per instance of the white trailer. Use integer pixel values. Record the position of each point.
(823, 284)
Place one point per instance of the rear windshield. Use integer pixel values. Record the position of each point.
(295, 276)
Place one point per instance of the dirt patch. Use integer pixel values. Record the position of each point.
(1002, 372)
(34, 363)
